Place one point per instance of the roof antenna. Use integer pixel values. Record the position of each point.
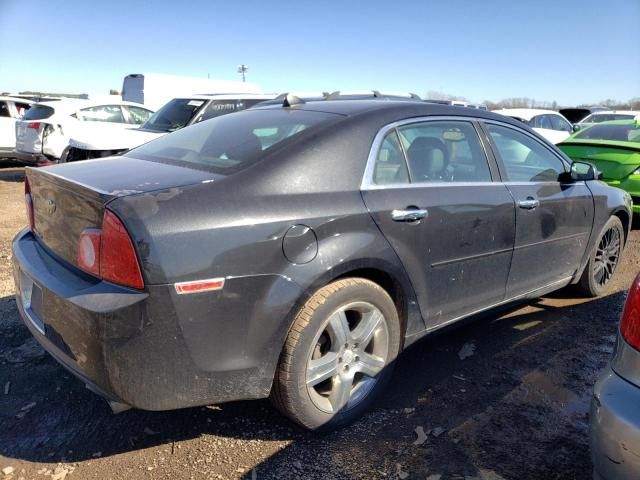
(291, 100)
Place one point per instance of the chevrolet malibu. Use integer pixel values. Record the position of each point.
(293, 251)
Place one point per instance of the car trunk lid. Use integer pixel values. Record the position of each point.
(70, 198)
(29, 134)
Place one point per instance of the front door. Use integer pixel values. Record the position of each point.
(436, 198)
(553, 219)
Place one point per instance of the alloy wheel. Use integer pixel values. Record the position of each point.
(349, 352)
(607, 256)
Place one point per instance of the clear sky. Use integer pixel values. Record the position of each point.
(571, 51)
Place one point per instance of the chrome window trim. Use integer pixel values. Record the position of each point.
(367, 180)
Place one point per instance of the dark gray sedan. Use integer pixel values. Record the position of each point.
(293, 251)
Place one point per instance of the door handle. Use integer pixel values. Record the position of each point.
(529, 204)
(409, 215)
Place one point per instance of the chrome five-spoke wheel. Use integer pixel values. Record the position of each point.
(348, 354)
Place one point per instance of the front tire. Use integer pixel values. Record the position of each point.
(604, 260)
(338, 355)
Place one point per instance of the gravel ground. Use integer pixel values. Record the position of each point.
(505, 396)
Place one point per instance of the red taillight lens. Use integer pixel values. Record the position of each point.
(89, 251)
(108, 253)
(118, 260)
(630, 324)
(29, 202)
(34, 125)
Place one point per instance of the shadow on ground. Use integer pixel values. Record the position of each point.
(516, 407)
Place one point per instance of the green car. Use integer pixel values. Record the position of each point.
(614, 148)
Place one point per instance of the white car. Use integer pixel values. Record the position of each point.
(43, 133)
(11, 110)
(94, 141)
(551, 125)
(597, 117)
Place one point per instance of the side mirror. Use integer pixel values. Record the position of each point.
(583, 172)
(576, 127)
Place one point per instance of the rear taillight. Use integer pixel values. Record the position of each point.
(108, 253)
(34, 125)
(630, 324)
(29, 201)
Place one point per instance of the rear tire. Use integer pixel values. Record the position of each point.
(604, 260)
(338, 356)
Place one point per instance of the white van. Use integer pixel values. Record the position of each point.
(155, 89)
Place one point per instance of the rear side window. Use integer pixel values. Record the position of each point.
(559, 123)
(230, 143)
(38, 112)
(4, 110)
(103, 113)
(444, 151)
(174, 115)
(390, 164)
(525, 159)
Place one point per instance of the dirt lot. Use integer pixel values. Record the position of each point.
(516, 408)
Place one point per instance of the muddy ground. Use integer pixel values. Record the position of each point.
(516, 408)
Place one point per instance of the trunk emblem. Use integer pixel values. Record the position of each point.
(50, 207)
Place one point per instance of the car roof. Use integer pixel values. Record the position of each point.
(226, 96)
(412, 107)
(526, 113)
(609, 112)
(15, 99)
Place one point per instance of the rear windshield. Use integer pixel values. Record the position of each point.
(38, 112)
(174, 115)
(629, 132)
(230, 143)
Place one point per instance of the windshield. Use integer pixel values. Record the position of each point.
(38, 112)
(626, 132)
(229, 143)
(174, 115)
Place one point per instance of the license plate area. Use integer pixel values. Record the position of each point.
(31, 298)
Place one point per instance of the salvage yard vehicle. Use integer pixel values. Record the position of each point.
(607, 116)
(293, 251)
(96, 142)
(614, 148)
(551, 125)
(43, 134)
(11, 110)
(615, 416)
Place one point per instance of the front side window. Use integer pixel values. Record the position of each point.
(444, 151)
(230, 143)
(138, 115)
(103, 113)
(541, 121)
(390, 167)
(4, 110)
(559, 123)
(524, 158)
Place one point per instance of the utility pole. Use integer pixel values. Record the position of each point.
(242, 70)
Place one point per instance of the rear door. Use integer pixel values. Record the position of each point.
(553, 219)
(436, 196)
(7, 127)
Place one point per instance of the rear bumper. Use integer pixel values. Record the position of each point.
(35, 159)
(132, 347)
(615, 427)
